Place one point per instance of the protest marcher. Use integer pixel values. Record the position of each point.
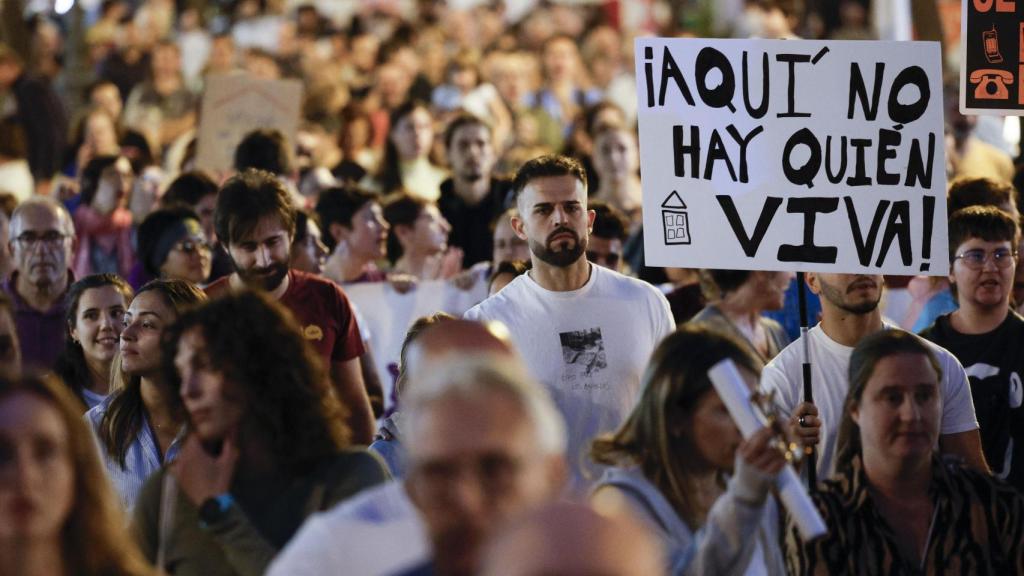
(610, 231)
(473, 197)
(585, 332)
(308, 252)
(330, 542)
(932, 294)
(102, 219)
(172, 245)
(10, 349)
(199, 192)
(267, 444)
(616, 160)
(508, 247)
(255, 220)
(356, 234)
(39, 112)
(738, 298)
(355, 139)
(563, 538)
(565, 91)
(94, 318)
(388, 440)
(58, 514)
(42, 240)
(137, 425)
(162, 107)
(984, 334)
(668, 460)
(896, 505)
(406, 163)
(418, 240)
(96, 135)
(849, 313)
(485, 443)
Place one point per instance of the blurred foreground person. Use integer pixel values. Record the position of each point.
(670, 457)
(896, 506)
(267, 444)
(57, 512)
(573, 540)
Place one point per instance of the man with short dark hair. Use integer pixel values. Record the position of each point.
(849, 313)
(610, 231)
(472, 197)
(255, 220)
(586, 332)
(984, 334)
(42, 243)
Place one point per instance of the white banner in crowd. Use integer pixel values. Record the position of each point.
(793, 155)
(236, 104)
(385, 317)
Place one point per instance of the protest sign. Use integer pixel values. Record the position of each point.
(992, 64)
(236, 104)
(792, 155)
(386, 315)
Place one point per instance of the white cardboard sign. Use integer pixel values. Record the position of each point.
(236, 104)
(792, 155)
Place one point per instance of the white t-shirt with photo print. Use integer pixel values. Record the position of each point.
(589, 347)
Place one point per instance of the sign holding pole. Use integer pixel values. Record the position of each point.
(793, 155)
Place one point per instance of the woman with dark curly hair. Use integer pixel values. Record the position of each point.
(268, 443)
(57, 512)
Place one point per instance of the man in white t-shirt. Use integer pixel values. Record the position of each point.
(585, 332)
(850, 312)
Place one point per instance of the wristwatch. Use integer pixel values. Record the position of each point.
(213, 509)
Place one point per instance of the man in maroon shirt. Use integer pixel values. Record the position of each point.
(255, 220)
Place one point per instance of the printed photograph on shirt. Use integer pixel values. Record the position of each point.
(584, 357)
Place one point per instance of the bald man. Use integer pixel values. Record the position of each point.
(379, 531)
(574, 540)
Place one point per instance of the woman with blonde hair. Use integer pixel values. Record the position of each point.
(682, 465)
(57, 512)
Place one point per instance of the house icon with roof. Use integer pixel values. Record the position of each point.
(675, 221)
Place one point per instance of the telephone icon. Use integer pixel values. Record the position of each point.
(990, 38)
(991, 84)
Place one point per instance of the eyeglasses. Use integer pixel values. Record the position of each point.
(190, 246)
(50, 239)
(976, 259)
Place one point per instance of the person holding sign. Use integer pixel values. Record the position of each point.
(849, 313)
(984, 334)
(668, 461)
(586, 332)
(896, 506)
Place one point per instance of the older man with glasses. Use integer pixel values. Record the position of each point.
(42, 238)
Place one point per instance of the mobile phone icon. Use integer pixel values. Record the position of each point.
(990, 38)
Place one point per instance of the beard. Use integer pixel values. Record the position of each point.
(560, 257)
(268, 278)
(838, 299)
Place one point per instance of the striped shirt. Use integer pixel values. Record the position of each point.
(141, 459)
(977, 528)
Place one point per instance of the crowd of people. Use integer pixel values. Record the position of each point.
(187, 388)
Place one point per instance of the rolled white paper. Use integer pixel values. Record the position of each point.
(735, 395)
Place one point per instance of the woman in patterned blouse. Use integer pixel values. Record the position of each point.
(895, 505)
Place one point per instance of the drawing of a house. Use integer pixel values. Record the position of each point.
(675, 220)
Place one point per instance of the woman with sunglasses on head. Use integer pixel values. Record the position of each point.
(137, 425)
(680, 462)
(57, 512)
(93, 318)
(172, 245)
